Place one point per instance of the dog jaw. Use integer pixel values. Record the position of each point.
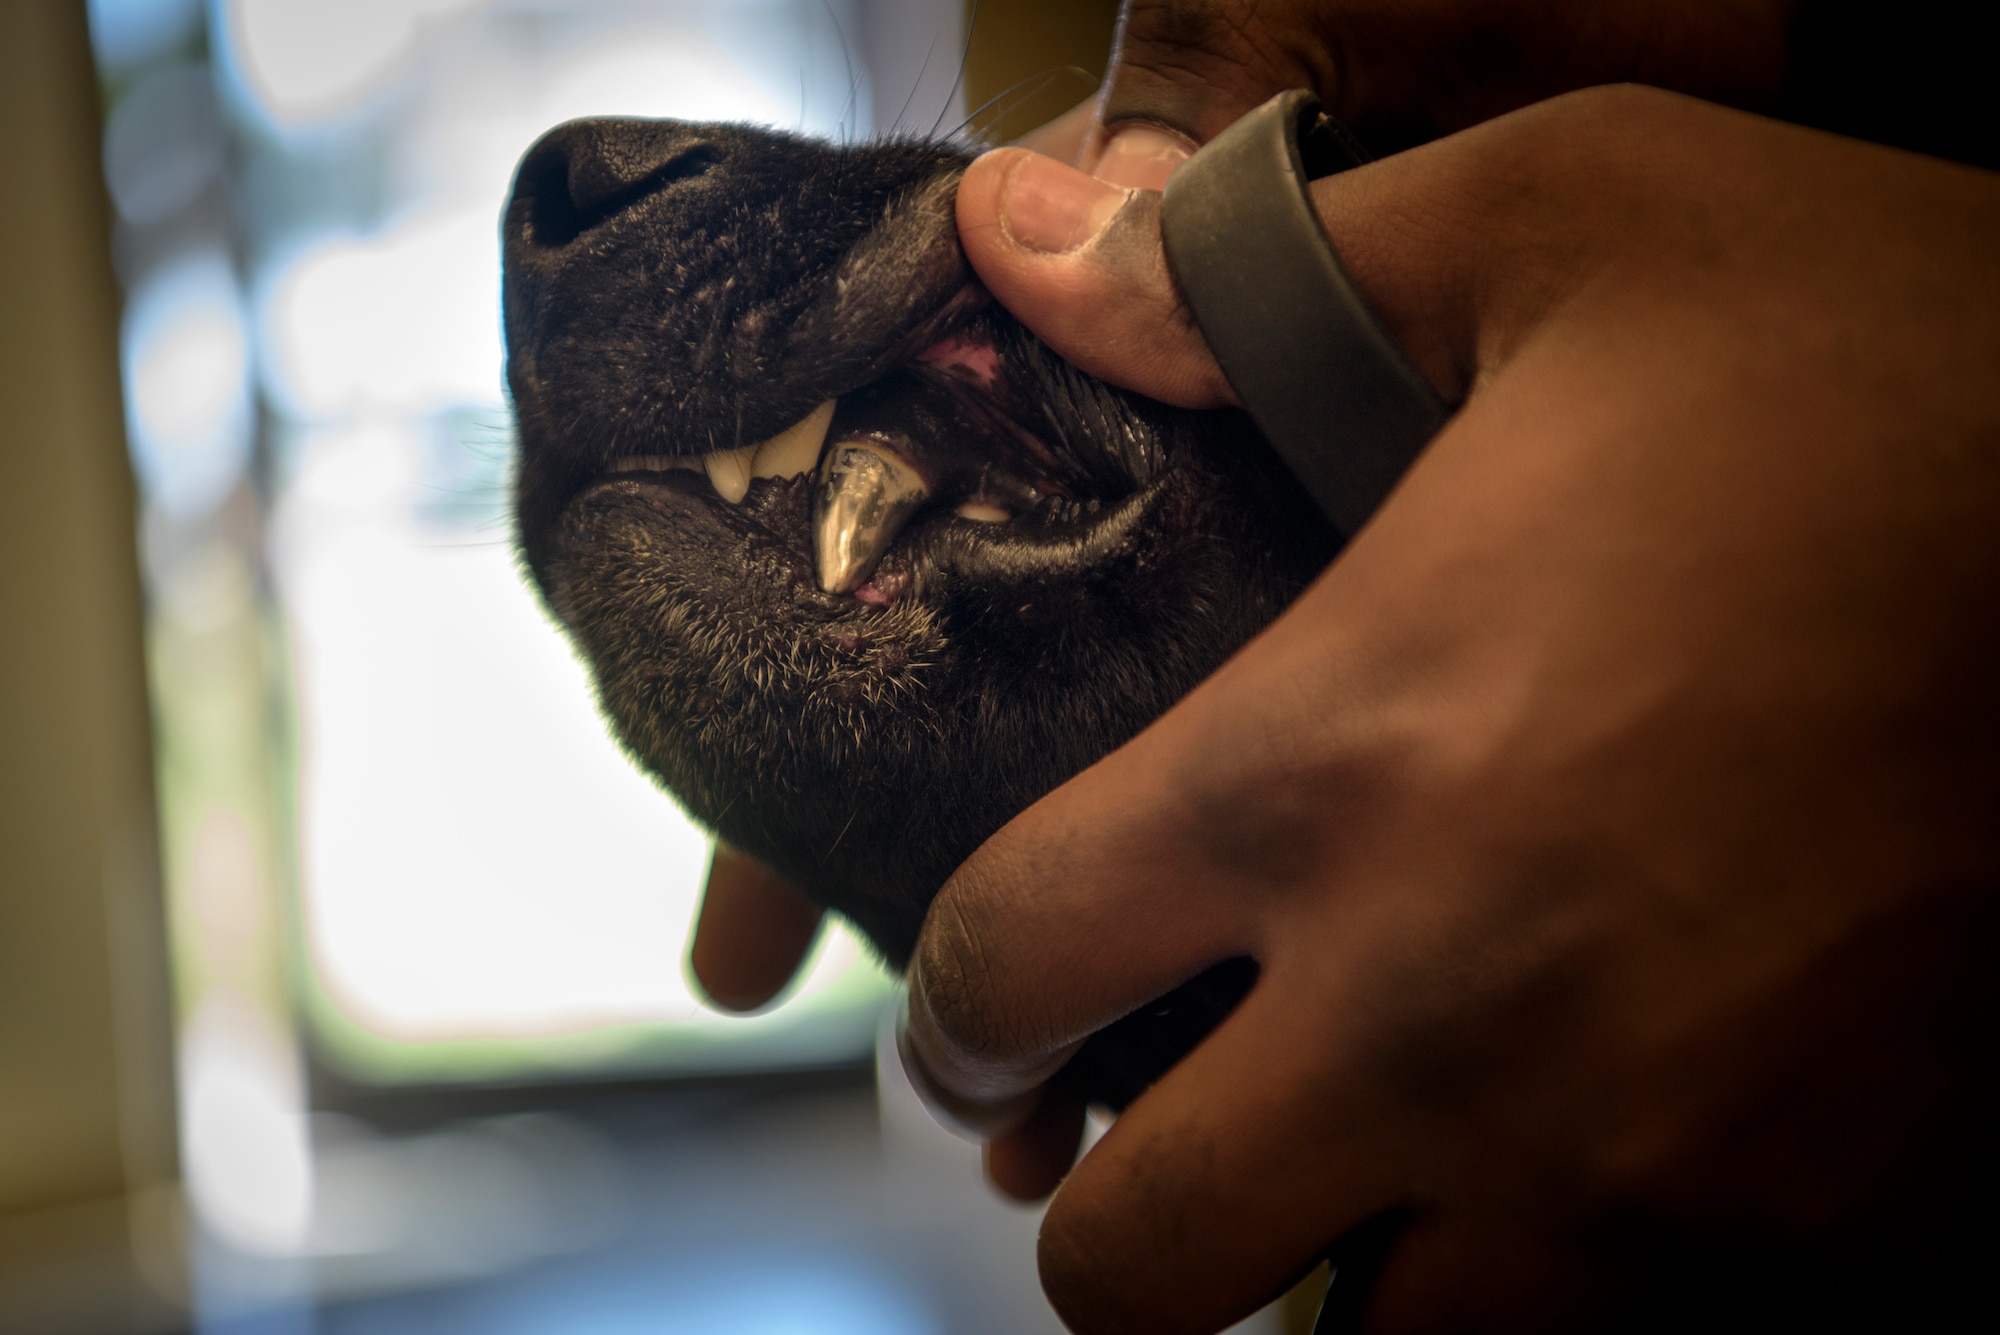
(1075, 560)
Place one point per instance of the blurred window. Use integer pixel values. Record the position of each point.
(389, 803)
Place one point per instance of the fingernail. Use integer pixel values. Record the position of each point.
(1142, 157)
(1054, 208)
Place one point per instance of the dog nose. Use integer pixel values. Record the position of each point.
(587, 172)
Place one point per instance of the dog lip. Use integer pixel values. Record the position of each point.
(941, 434)
(944, 418)
(907, 347)
(612, 353)
(939, 553)
(917, 343)
(907, 291)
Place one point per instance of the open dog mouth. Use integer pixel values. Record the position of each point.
(861, 567)
(942, 442)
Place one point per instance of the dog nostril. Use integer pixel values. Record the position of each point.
(588, 172)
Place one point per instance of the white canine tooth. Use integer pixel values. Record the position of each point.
(729, 471)
(980, 512)
(794, 450)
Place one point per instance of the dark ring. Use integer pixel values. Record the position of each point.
(1337, 399)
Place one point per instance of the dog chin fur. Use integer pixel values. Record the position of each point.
(672, 288)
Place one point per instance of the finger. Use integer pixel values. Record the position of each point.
(1194, 67)
(984, 1116)
(1227, 1180)
(1079, 262)
(1140, 156)
(1105, 895)
(753, 930)
(1464, 1268)
(1064, 137)
(1028, 1162)
(1399, 74)
(1457, 248)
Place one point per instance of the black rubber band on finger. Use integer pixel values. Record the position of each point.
(1336, 398)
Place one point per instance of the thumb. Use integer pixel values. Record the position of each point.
(1080, 263)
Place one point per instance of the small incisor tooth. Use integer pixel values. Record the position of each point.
(861, 499)
(794, 450)
(729, 471)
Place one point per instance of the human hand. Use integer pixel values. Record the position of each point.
(1401, 71)
(1613, 822)
(1397, 71)
(1184, 69)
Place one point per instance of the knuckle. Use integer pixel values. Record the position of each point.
(1266, 798)
(1085, 1260)
(953, 972)
(975, 970)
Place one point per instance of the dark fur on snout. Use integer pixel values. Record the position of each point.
(671, 289)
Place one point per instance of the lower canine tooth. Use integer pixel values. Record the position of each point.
(861, 500)
(729, 472)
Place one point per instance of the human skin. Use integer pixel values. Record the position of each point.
(1181, 71)
(753, 930)
(1626, 781)
(1402, 71)
(1613, 821)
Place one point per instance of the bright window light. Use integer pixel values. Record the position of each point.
(480, 858)
(308, 61)
(330, 351)
(187, 387)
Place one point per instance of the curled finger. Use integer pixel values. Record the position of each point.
(752, 934)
